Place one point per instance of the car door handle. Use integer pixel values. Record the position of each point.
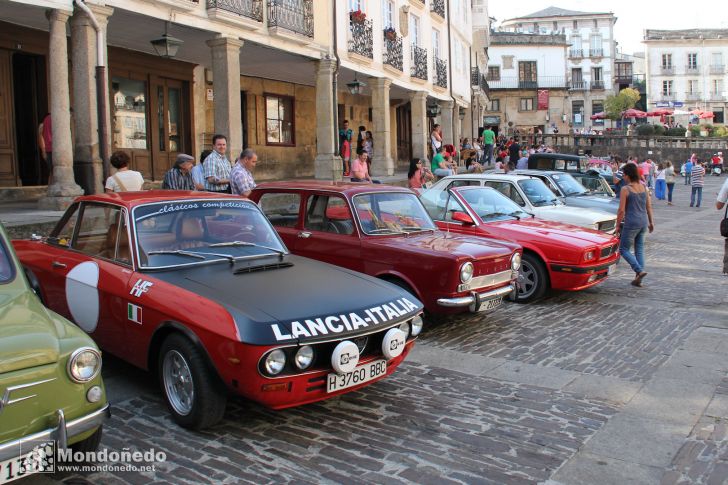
(56, 264)
(304, 234)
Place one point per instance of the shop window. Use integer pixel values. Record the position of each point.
(130, 113)
(279, 120)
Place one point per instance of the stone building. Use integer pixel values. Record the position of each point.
(687, 69)
(277, 76)
(527, 80)
(590, 62)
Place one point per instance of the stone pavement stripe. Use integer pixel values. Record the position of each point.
(703, 458)
(601, 387)
(590, 468)
(671, 401)
(453, 360)
(535, 375)
(640, 440)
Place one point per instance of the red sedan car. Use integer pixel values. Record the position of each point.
(385, 232)
(199, 288)
(555, 255)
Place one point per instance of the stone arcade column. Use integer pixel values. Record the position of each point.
(327, 165)
(86, 153)
(420, 133)
(446, 122)
(382, 163)
(226, 89)
(64, 188)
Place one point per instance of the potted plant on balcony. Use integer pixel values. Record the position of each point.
(390, 34)
(357, 16)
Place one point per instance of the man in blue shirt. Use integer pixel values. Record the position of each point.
(689, 169)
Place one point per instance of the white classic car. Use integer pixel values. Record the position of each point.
(535, 197)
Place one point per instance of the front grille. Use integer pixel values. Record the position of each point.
(608, 251)
(607, 226)
(487, 280)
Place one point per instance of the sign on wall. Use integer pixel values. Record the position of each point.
(543, 99)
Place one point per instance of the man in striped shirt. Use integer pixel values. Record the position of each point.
(179, 177)
(697, 174)
(218, 167)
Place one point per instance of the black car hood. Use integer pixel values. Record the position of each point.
(300, 300)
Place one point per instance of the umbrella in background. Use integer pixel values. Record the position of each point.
(678, 112)
(598, 116)
(659, 112)
(703, 115)
(633, 113)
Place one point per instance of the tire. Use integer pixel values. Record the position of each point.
(89, 444)
(195, 397)
(533, 280)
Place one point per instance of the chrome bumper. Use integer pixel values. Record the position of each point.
(472, 301)
(61, 433)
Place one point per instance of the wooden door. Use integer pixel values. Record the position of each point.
(8, 169)
(130, 128)
(168, 122)
(404, 133)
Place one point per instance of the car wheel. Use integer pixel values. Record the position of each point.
(193, 393)
(532, 279)
(89, 444)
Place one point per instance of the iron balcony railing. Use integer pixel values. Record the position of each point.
(361, 41)
(596, 52)
(474, 76)
(293, 15)
(666, 97)
(576, 53)
(252, 9)
(623, 78)
(694, 96)
(667, 69)
(438, 6)
(717, 69)
(596, 85)
(419, 63)
(440, 72)
(692, 69)
(484, 85)
(553, 82)
(393, 53)
(716, 97)
(578, 86)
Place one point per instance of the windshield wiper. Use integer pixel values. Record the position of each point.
(513, 214)
(418, 229)
(179, 252)
(237, 244)
(384, 230)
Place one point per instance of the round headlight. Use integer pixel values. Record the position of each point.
(416, 325)
(589, 255)
(516, 262)
(466, 272)
(275, 361)
(404, 326)
(84, 364)
(304, 357)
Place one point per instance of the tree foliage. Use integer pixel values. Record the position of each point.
(626, 99)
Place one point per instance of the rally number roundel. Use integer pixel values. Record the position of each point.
(82, 295)
(393, 343)
(345, 357)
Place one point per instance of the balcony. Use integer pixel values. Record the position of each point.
(553, 82)
(239, 12)
(180, 4)
(597, 85)
(692, 69)
(596, 52)
(484, 85)
(576, 53)
(667, 70)
(393, 56)
(437, 7)
(578, 86)
(440, 73)
(419, 63)
(361, 39)
(717, 69)
(294, 16)
(694, 96)
(474, 76)
(666, 97)
(623, 78)
(716, 97)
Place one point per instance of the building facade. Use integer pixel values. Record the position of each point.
(590, 57)
(479, 60)
(686, 68)
(274, 76)
(528, 83)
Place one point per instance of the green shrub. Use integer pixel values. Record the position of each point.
(659, 130)
(720, 131)
(675, 132)
(695, 130)
(645, 130)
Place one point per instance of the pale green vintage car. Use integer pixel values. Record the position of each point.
(51, 392)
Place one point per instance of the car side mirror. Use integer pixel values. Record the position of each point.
(463, 217)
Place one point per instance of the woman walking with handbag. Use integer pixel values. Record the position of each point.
(635, 210)
(660, 183)
(669, 180)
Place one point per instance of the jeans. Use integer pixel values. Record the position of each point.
(442, 172)
(669, 191)
(699, 191)
(354, 179)
(688, 178)
(725, 257)
(637, 236)
(660, 189)
(487, 153)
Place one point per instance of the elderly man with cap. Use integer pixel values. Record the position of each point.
(179, 177)
(241, 177)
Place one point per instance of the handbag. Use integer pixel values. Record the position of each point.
(724, 223)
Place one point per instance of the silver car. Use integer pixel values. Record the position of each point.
(571, 191)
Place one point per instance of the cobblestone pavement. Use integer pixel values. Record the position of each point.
(614, 384)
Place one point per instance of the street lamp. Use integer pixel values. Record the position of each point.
(166, 46)
(461, 113)
(433, 110)
(356, 86)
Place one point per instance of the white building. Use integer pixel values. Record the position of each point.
(590, 56)
(479, 69)
(686, 68)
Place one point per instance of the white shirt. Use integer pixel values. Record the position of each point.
(723, 194)
(132, 180)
